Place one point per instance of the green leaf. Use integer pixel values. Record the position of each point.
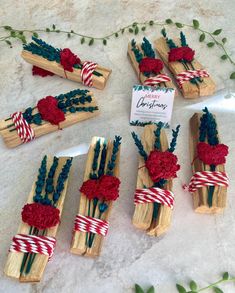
(143, 28)
(138, 289)
(224, 40)
(193, 285)
(53, 26)
(82, 40)
(196, 23)
(151, 290)
(134, 24)
(168, 21)
(217, 32)
(211, 44)
(8, 43)
(122, 31)
(232, 76)
(91, 42)
(105, 42)
(69, 35)
(130, 30)
(151, 22)
(47, 29)
(179, 25)
(116, 35)
(202, 37)
(180, 288)
(35, 34)
(224, 57)
(13, 34)
(217, 290)
(57, 31)
(226, 274)
(7, 27)
(136, 30)
(72, 31)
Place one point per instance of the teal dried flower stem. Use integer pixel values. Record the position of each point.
(157, 133)
(147, 48)
(174, 139)
(139, 145)
(112, 161)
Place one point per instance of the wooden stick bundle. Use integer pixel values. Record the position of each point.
(143, 213)
(78, 245)
(99, 82)
(14, 259)
(189, 90)
(12, 139)
(139, 74)
(200, 196)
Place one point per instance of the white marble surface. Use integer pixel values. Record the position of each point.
(196, 246)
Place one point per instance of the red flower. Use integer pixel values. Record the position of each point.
(150, 65)
(68, 59)
(181, 53)
(48, 109)
(40, 216)
(212, 154)
(41, 72)
(162, 165)
(104, 188)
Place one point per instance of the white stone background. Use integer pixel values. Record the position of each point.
(196, 246)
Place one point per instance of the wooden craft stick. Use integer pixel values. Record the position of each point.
(189, 90)
(143, 213)
(14, 259)
(200, 196)
(78, 245)
(12, 139)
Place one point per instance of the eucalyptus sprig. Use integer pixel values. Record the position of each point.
(138, 289)
(212, 39)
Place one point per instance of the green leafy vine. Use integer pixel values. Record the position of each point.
(212, 39)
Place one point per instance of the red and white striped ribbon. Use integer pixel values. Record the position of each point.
(33, 244)
(87, 71)
(207, 178)
(189, 74)
(89, 224)
(24, 130)
(152, 81)
(154, 194)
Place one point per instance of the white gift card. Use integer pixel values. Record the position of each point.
(151, 105)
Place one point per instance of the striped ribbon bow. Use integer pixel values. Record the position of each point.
(24, 130)
(189, 74)
(154, 194)
(33, 244)
(87, 71)
(89, 224)
(208, 178)
(152, 81)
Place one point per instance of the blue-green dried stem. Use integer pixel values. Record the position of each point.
(157, 133)
(139, 145)
(183, 40)
(102, 160)
(112, 161)
(138, 54)
(147, 48)
(40, 180)
(174, 138)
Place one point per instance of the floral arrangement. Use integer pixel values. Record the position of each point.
(42, 213)
(161, 165)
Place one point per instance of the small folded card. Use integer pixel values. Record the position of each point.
(210, 181)
(48, 60)
(158, 165)
(50, 114)
(35, 241)
(98, 191)
(192, 79)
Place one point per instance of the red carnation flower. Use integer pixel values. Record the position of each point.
(212, 154)
(181, 53)
(108, 188)
(40, 216)
(48, 109)
(89, 188)
(162, 165)
(68, 59)
(150, 65)
(41, 72)
(188, 54)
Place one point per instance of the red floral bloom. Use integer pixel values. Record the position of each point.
(68, 59)
(89, 188)
(48, 109)
(212, 154)
(40, 216)
(41, 72)
(181, 53)
(150, 65)
(162, 165)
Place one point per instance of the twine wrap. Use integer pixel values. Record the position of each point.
(89, 224)
(33, 244)
(24, 130)
(87, 71)
(189, 74)
(154, 194)
(152, 81)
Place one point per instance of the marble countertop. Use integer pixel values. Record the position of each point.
(196, 246)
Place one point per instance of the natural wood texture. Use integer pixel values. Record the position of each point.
(78, 245)
(189, 90)
(99, 82)
(139, 74)
(200, 196)
(12, 139)
(14, 259)
(143, 214)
